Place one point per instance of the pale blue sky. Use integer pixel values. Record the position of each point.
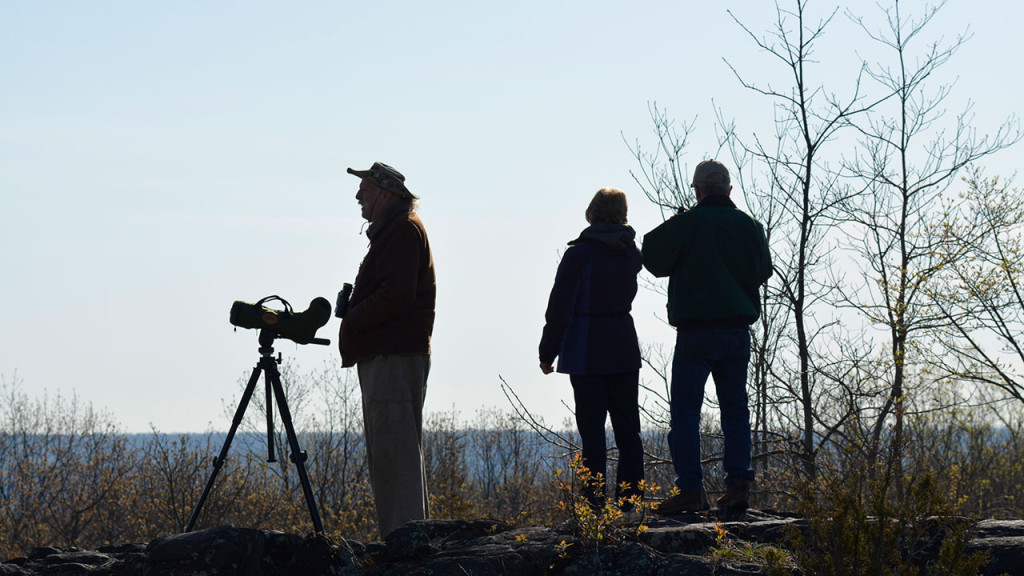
(160, 160)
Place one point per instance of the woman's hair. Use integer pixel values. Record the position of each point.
(607, 207)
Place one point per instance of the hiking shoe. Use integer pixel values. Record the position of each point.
(736, 498)
(684, 502)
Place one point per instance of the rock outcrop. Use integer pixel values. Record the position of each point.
(460, 547)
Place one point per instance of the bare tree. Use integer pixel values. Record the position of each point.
(906, 161)
(797, 200)
(662, 175)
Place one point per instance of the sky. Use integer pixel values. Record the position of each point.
(161, 160)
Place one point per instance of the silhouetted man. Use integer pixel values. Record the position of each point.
(716, 258)
(386, 334)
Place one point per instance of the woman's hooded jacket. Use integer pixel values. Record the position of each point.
(588, 322)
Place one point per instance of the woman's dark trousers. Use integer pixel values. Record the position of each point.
(614, 395)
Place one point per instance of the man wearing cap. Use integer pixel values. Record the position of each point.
(716, 258)
(385, 334)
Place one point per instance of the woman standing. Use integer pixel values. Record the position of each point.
(590, 330)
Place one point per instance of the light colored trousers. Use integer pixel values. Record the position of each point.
(394, 387)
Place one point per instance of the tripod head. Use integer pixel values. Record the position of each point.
(267, 337)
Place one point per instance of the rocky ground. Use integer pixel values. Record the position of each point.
(673, 546)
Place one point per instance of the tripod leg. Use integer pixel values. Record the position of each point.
(219, 460)
(298, 457)
(270, 417)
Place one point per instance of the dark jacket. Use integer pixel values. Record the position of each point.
(391, 310)
(589, 327)
(716, 258)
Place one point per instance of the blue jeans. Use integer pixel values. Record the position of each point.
(724, 354)
(598, 397)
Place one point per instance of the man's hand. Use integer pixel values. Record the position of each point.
(546, 368)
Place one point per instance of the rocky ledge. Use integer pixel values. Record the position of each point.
(459, 547)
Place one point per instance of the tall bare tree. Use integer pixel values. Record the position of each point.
(796, 192)
(907, 159)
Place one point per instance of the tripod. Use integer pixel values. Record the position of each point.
(268, 365)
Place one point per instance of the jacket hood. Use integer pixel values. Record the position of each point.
(615, 238)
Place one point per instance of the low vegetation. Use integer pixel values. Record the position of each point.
(69, 477)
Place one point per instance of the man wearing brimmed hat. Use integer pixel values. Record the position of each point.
(385, 334)
(716, 258)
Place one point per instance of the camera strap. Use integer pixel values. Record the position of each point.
(287, 306)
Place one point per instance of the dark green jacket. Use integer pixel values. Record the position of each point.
(716, 258)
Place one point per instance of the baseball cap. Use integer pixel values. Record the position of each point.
(710, 172)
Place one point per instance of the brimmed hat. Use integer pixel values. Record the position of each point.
(710, 172)
(386, 177)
